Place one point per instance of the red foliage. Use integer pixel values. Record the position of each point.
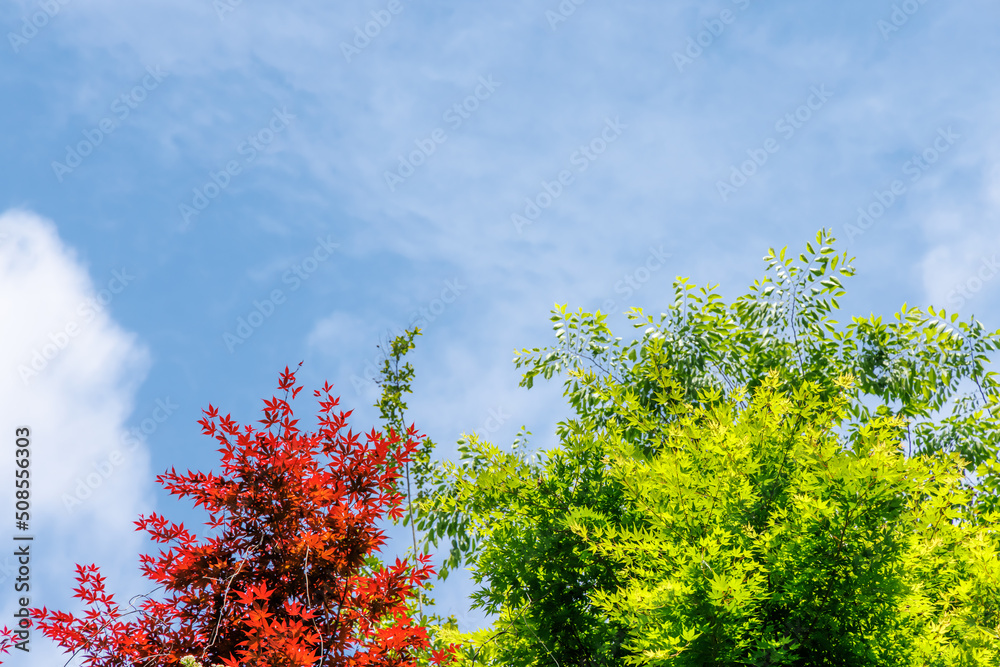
(291, 578)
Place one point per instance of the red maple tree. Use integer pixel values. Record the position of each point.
(292, 577)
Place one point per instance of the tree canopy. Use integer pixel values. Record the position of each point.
(291, 576)
(742, 483)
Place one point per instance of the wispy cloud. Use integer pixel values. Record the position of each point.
(77, 409)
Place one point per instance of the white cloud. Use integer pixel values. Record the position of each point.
(69, 374)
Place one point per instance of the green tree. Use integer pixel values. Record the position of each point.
(920, 379)
(752, 536)
(395, 380)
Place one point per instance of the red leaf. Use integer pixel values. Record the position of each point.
(284, 509)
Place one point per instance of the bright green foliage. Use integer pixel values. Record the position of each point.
(913, 366)
(920, 379)
(754, 538)
(507, 490)
(191, 661)
(538, 574)
(395, 381)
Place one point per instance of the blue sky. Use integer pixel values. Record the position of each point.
(171, 168)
